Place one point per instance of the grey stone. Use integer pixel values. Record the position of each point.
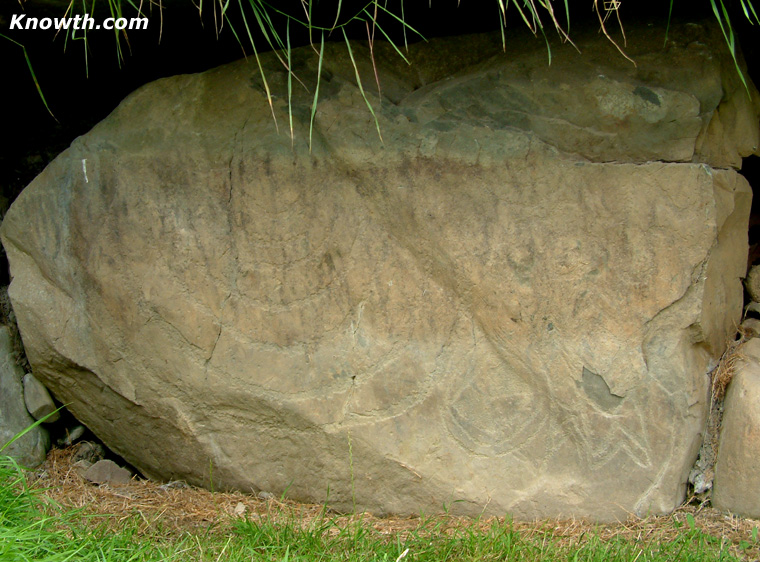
(38, 401)
(751, 327)
(73, 435)
(507, 304)
(30, 449)
(107, 472)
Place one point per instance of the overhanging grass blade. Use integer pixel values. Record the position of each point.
(371, 39)
(522, 15)
(392, 44)
(620, 24)
(261, 69)
(728, 35)
(667, 27)
(352, 19)
(33, 75)
(237, 38)
(265, 22)
(561, 32)
(308, 15)
(534, 13)
(359, 84)
(548, 46)
(290, 83)
(718, 17)
(223, 7)
(403, 28)
(337, 13)
(316, 90)
(606, 33)
(503, 11)
(503, 5)
(114, 7)
(537, 24)
(402, 22)
(746, 11)
(266, 26)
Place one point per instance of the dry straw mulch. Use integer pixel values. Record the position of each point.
(178, 510)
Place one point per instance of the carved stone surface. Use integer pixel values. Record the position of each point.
(509, 305)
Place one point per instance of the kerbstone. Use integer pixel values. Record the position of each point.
(506, 304)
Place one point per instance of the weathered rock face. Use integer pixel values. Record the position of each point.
(511, 305)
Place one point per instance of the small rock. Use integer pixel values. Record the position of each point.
(173, 485)
(38, 401)
(751, 327)
(752, 283)
(81, 466)
(89, 451)
(107, 472)
(72, 436)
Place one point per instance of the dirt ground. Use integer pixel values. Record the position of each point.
(180, 509)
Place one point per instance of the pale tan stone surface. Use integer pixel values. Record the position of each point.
(737, 472)
(503, 308)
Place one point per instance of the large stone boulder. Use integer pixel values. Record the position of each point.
(511, 304)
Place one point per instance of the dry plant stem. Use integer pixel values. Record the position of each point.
(724, 373)
(702, 475)
(602, 19)
(371, 39)
(176, 511)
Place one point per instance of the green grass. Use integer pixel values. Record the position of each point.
(34, 529)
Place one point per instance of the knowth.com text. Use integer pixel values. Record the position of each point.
(76, 23)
